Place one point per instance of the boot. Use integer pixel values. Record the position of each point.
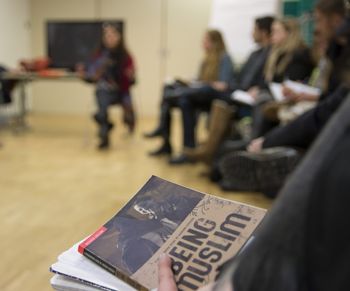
(129, 118)
(164, 150)
(104, 143)
(220, 117)
(155, 133)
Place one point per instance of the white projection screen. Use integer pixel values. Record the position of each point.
(235, 19)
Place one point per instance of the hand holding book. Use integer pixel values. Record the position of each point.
(199, 232)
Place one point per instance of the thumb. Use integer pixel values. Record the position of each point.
(165, 274)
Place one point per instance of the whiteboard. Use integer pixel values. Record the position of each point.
(235, 19)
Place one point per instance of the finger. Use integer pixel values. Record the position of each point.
(165, 274)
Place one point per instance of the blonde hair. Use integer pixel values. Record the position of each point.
(281, 55)
(210, 66)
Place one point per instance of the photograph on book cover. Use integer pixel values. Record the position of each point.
(144, 224)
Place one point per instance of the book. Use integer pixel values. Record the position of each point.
(63, 283)
(73, 269)
(198, 231)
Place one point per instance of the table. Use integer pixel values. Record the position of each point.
(24, 78)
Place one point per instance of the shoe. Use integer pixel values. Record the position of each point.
(104, 130)
(155, 133)
(104, 144)
(198, 154)
(131, 128)
(129, 121)
(180, 160)
(162, 151)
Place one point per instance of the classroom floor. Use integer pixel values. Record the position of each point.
(55, 189)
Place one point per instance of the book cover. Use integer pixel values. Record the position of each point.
(198, 231)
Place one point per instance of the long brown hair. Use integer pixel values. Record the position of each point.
(282, 54)
(210, 66)
(120, 51)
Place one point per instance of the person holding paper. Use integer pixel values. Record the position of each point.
(216, 75)
(288, 57)
(249, 78)
(335, 29)
(330, 21)
(303, 243)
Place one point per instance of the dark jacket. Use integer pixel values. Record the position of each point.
(6, 88)
(113, 69)
(303, 242)
(303, 131)
(299, 68)
(252, 72)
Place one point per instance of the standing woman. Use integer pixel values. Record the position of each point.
(114, 73)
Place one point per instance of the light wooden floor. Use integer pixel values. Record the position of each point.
(55, 189)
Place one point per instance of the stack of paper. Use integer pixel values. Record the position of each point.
(76, 272)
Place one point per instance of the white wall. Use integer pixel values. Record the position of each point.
(15, 37)
(163, 35)
(235, 18)
(14, 31)
(59, 96)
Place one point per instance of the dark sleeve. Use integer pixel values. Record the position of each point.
(252, 73)
(302, 131)
(328, 223)
(301, 66)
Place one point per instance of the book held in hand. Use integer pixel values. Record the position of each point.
(198, 231)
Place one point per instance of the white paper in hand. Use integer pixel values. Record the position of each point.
(302, 88)
(277, 92)
(243, 97)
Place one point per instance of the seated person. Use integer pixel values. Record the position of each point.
(249, 77)
(114, 73)
(302, 244)
(7, 85)
(297, 101)
(301, 132)
(289, 58)
(215, 74)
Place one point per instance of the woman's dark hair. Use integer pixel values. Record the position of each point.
(120, 51)
(329, 7)
(265, 23)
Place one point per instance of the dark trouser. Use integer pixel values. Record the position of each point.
(190, 102)
(170, 98)
(261, 125)
(106, 98)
